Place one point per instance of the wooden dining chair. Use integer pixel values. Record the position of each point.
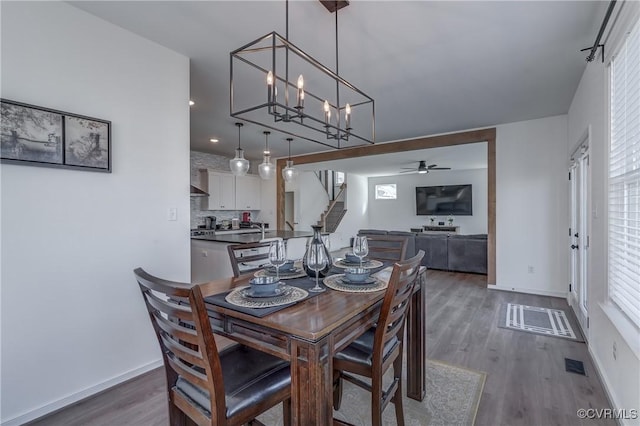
(249, 257)
(381, 347)
(205, 386)
(387, 247)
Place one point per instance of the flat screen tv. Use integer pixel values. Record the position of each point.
(444, 200)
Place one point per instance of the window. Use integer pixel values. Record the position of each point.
(339, 178)
(624, 178)
(386, 191)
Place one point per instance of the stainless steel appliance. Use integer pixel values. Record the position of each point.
(210, 222)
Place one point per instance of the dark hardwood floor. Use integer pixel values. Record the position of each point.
(526, 380)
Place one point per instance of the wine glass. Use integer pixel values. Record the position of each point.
(360, 247)
(277, 255)
(316, 261)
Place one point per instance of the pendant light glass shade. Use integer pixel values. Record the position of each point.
(239, 165)
(267, 169)
(289, 173)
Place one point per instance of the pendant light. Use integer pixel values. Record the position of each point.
(239, 165)
(289, 173)
(267, 169)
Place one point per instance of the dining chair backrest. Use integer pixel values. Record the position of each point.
(387, 247)
(188, 346)
(395, 304)
(249, 257)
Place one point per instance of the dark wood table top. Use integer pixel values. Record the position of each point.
(310, 319)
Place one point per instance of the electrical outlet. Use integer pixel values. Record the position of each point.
(530, 269)
(172, 214)
(615, 351)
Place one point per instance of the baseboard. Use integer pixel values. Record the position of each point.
(605, 383)
(529, 291)
(79, 396)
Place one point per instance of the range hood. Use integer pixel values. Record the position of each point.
(197, 192)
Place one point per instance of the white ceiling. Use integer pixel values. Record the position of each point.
(431, 66)
(461, 157)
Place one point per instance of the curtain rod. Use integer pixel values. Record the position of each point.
(597, 44)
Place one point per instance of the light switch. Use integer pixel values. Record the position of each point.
(172, 214)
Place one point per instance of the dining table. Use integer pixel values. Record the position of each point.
(308, 333)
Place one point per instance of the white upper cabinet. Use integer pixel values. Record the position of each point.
(229, 192)
(247, 192)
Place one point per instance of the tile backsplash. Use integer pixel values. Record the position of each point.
(204, 160)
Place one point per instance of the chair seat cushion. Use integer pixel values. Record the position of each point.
(360, 351)
(249, 376)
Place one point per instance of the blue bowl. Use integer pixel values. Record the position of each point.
(288, 266)
(264, 285)
(356, 275)
(352, 258)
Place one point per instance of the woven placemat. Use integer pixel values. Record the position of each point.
(369, 264)
(335, 282)
(292, 295)
(296, 273)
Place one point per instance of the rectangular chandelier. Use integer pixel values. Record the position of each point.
(277, 85)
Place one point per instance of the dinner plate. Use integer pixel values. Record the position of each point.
(249, 293)
(356, 262)
(369, 280)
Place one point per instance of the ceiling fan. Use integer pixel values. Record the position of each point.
(423, 168)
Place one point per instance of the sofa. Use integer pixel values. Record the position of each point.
(459, 253)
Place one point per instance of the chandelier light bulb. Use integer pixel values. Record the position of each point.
(300, 82)
(270, 78)
(347, 116)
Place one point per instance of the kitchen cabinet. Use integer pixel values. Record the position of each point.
(221, 188)
(229, 192)
(247, 192)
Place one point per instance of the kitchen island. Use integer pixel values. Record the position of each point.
(209, 255)
(250, 237)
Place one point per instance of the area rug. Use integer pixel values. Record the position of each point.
(452, 398)
(544, 321)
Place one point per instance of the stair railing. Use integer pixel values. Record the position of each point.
(343, 187)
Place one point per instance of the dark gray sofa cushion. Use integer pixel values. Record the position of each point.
(468, 254)
(435, 248)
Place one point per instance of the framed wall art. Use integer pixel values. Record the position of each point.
(37, 136)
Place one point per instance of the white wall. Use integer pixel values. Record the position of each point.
(357, 215)
(400, 214)
(310, 202)
(621, 375)
(531, 206)
(73, 320)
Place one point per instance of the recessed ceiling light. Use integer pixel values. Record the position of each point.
(191, 103)
(213, 140)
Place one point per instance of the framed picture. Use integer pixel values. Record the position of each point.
(37, 136)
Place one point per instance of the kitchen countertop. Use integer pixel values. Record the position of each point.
(251, 238)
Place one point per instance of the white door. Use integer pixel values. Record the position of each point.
(579, 175)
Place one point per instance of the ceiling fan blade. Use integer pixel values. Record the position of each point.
(410, 171)
(408, 168)
(432, 166)
(439, 168)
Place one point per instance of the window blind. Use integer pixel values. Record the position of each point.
(624, 178)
